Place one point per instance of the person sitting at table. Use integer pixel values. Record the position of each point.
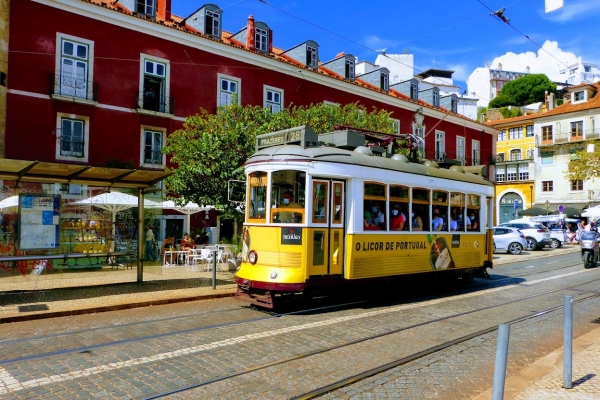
(168, 244)
(186, 244)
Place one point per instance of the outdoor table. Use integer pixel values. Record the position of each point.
(177, 253)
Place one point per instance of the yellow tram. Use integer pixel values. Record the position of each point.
(323, 211)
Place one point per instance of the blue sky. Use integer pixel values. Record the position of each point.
(458, 35)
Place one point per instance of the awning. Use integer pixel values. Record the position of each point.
(47, 172)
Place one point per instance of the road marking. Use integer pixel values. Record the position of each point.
(9, 384)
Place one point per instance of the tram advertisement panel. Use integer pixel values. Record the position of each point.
(376, 255)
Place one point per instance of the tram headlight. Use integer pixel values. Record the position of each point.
(273, 275)
(252, 257)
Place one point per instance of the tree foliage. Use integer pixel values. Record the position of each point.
(511, 112)
(529, 89)
(501, 101)
(584, 165)
(211, 149)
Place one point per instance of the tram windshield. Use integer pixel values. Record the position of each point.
(288, 189)
(257, 196)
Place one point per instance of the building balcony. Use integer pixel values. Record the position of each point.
(150, 102)
(569, 137)
(68, 87)
(500, 159)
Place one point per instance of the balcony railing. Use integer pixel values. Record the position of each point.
(75, 86)
(151, 102)
(502, 159)
(568, 137)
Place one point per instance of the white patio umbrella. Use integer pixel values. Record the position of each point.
(592, 212)
(12, 201)
(187, 209)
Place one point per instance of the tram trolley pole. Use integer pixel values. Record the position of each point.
(568, 344)
(500, 366)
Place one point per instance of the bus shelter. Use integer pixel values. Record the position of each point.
(48, 227)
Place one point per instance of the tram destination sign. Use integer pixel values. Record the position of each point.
(300, 135)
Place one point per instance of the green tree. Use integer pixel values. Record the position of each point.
(501, 101)
(584, 165)
(511, 112)
(211, 149)
(528, 89)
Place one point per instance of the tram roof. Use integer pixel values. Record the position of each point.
(342, 156)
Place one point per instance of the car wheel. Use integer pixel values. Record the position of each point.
(515, 248)
(531, 243)
(555, 244)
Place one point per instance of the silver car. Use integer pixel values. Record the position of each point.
(536, 234)
(508, 239)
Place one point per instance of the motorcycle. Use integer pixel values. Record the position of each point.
(590, 248)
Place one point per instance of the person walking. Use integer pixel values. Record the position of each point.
(150, 242)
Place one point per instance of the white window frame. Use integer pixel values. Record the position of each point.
(475, 152)
(238, 92)
(511, 173)
(216, 23)
(89, 90)
(331, 103)
(167, 79)
(261, 39)
(460, 148)
(501, 174)
(545, 156)
(435, 98)
(147, 4)
(523, 172)
(143, 130)
(386, 82)
(396, 124)
(349, 69)
(583, 95)
(86, 137)
(419, 130)
(414, 91)
(270, 103)
(516, 155)
(440, 145)
(312, 60)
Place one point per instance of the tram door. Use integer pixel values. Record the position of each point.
(326, 249)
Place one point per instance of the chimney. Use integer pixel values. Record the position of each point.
(527, 69)
(551, 102)
(270, 41)
(499, 67)
(251, 34)
(163, 10)
(546, 99)
(487, 65)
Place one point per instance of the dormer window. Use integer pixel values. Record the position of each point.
(385, 84)
(262, 40)
(436, 99)
(454, 105)
(349, 70)
(311, 57)
(147, 7)
(213, 23)
(414, 91)
(579, 96)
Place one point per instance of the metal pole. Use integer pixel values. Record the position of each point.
(214, 271)
(140, 238)
(500, 366)
(568, 344)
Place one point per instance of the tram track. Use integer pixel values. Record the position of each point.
(387, 366)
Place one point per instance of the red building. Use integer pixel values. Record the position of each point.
(93, 81)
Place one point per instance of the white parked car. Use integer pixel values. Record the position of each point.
(536, 234)
(509, 239)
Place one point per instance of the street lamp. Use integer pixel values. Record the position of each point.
(547, 207)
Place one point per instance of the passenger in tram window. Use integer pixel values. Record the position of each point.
(416, 221)
(453, 223)
(438, 222)
(398, 219)
(472, 221)
(376, 221)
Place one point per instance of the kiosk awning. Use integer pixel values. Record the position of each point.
(47, 172)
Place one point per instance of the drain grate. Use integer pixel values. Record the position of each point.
(33, 307)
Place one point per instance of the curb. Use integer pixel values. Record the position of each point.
(114, 307)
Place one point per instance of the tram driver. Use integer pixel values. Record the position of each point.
(288, 202)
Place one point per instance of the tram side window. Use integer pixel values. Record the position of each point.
(287, 196)
(399, 199)
(257, 196)
(473, 222)
(440, 219)
(419, 220)
(374, 207)
(319, 202)
(457, 212)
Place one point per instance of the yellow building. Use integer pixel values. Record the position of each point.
(514, 166)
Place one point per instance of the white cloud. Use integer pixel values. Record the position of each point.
(573, 10)
(546, 61)
(375, 43)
